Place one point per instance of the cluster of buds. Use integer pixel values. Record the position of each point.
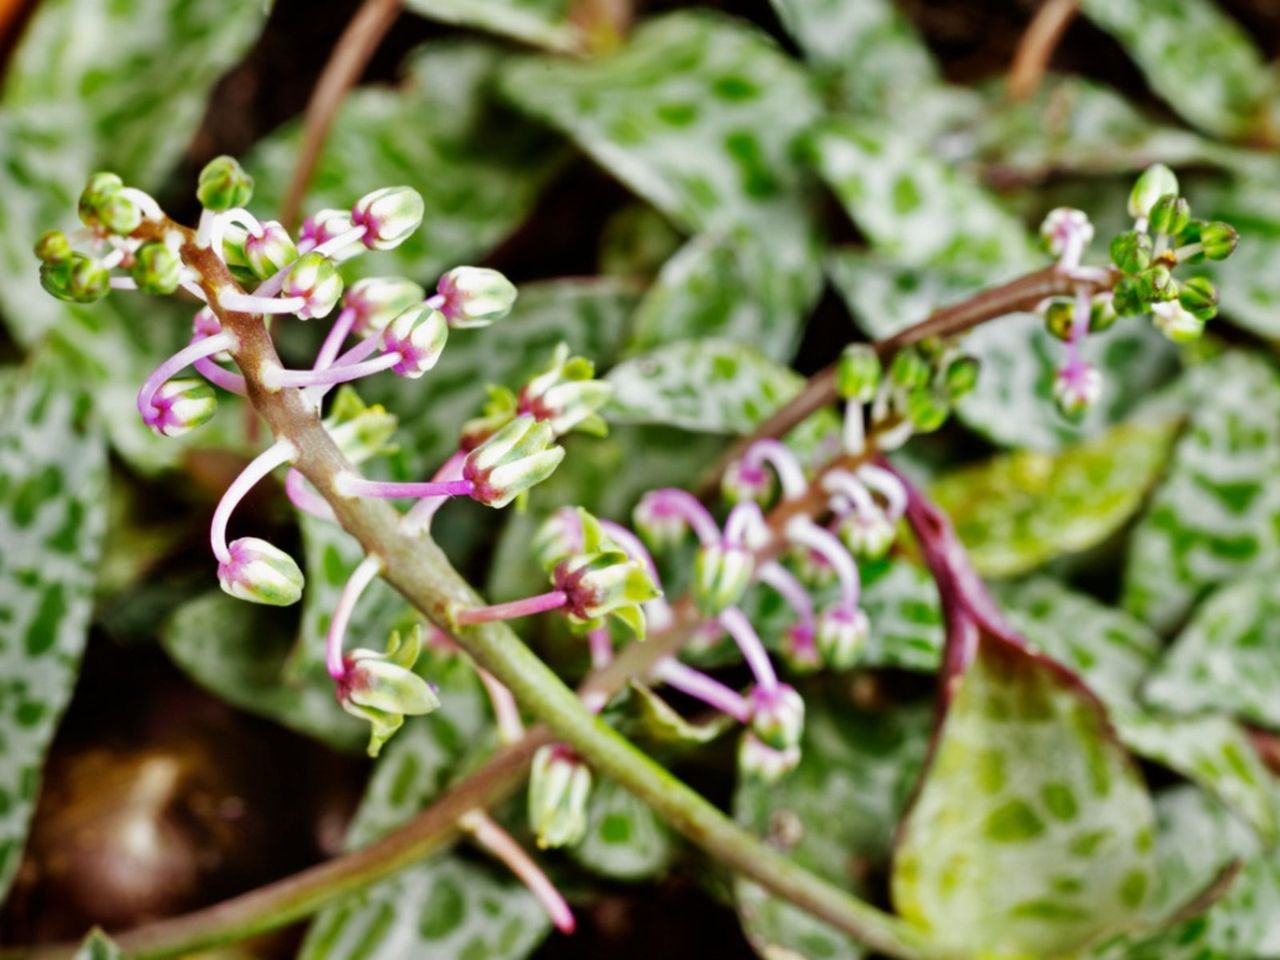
(1140, 282)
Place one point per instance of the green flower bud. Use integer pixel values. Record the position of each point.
(314, 278)
(224, 184)
(270, 253)
(1177, 322)
(179, 406)
(868, 534)
(259, 572)
(383, 689)
(83, 279)
(927, 409)
(909, 369)
(858, 374)
(498, 410)
(1128, 298)
(1219, 239)
(605, 583)
(390, 216)
(119, 214)
(515, 459)
(419, 335)
(1157, 181)
(566, 395)
(1102, 313)
(379, 300)
(1060, 318)
(961, 377)
(1076, 389)
(841, 636)
(558, 538)
(721, 575)
(53, 247)
(157, 269)
(1170, 215)
(100, 188)
(1131, 251)
(1199, 296)
(475, 296)
(559, 788)
(1158, 284)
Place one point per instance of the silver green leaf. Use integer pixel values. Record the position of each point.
(53, 501)
(1216, 515)
(544, 23)
(625, 839)
(901, 603)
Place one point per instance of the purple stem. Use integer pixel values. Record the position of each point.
(421, 513)
(753, 651)
(698, 685)
(193, 351)
(792, 591)
(490, 837)
(356, 584)
(784, 463)
(673, 502)
(338, 373)
(390, 490)
(278, 454)
(552, 600)
(632, 546)
(803, 531)
(337, 335)
(601, 645)
(305, 498)
(221, 377)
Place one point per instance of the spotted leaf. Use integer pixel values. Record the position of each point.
(544, 23)
(53, 475)
(1025, 782)
(625, 839)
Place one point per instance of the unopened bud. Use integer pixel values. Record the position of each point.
(1156, 181)
(660, 525)
(1076, 388)
(1128, 299)
(119, 214)
(1219, 239)
(1059, 317)
(259, 572)
(419, 335)
(179, 406)
(53, 247)
(78, 279)
(721, 575)
(559, 788)
(360, 430)
(759, 761)
(1065, 228)
(1199, 296)
(868, 534)
(1176, 322)
(778, 717)
(909, 369)
(383, 689)
(475, 296)
(558, 538)
(224, 184)
(515, 459)
(1102, 313)
(157, 269)
(1170, 215)
(379, 300)
(604, 583)
(961, 377)
(1131, 251)
(316, 280)
(842, 633)
(858, 374)
(566, 395)
(100, 188)
(927, 409)
(742, 483)
(390, 216)
(325, 225)
(271, 252)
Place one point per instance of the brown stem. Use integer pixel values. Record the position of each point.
(346, 63)
(1035, 49)
(820, 391)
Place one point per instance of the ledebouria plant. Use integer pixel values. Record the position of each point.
(801, 528)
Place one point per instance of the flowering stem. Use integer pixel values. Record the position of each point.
(363, 575)
(698, 685)
(276, 455)
(494, 840)
(753, 651)
(257, 304)
(196, 350)
(355, 486)
(418, 519)
(334, 340)
(219, 377)
(803, 531)
(552, 600)
(278, 378)
(781, 579)
(306, 499)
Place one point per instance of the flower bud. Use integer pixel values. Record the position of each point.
(1102, 313)
(475, 296)
(927, 409)
(1156, 181)
(1219, 239)
(1064, 225)
(419, 335)
(379, 300)
(1158, 283)
(798, 650)
(660, 525)
(1059, 317)
(1176, 322)
(179, 406)
(868, 534)
(778, 717)
(383, 689)
(1128, 299)
(1076, 389)
(78, 279)
(858, 373)
(742, 483)
(157, 269)
(261, 573)
(270, 253)
(119, 214)
(559, 788)
(602, 583)
(389, 216)
(558, 538)
(497, 412)
(1131, 251)
(235, 239)
(316, 280)
(759, 761)
(1199, 296)
(224, 184)
(361, 431)
(325, 225)
(99, 189)
(909, 368)
(842, 634)
(721, 575)
(515, 459)
(1170, 215)
(53, 247)
(566, 395)
(961, 377)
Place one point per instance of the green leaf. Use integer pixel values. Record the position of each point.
(479, 171)
(1032, 832)
(1200, 61)
(53, 475)
(1018, 356)
(625, 839)
(1228, 657)
(240, 652)
(657, 721)
(544, 23)
(1248, 288)
(98, 946)
(1019, 510)
(715, 386)
(1216, 516)
(913, 207)
(860, 764)
(901, 604)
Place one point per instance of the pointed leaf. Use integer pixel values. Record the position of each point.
(98, 946)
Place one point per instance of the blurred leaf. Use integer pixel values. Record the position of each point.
(1019, 510)
(449, 905)
(1216, 516)
(657, 721)
(53, 475)
(716, 386)
(1027, 783)
(858, 764)
(479, 170)
(98, 946)
(240, 652)
(544, 23)
(1018, 356)
(1200, 61)
(1228, 657)
(1247, 284)
(699, 114)
(901, 604)
(625, 839)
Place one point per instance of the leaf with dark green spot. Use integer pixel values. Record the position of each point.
(861, 765)
(901, 604)
(1032, 831)
(625, 839)
(544, 23)
(1019, 510)
(1216, 515)
(53, 476)
(716, 386)
(98, 946)
(1197, 58)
